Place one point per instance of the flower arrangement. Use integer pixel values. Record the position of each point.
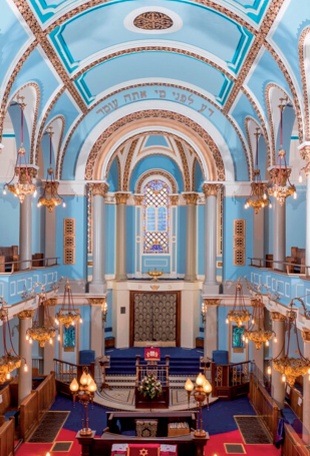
(150, 387)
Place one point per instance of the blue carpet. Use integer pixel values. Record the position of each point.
(218, 419)
(220, 416)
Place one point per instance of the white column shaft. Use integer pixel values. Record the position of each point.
(278, 387)
(190, 274)
(121, 242)
(25, 351)
(25, 234)
(98, 280)
(279, 233)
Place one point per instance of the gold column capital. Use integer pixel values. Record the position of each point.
(98, 188)
(211, 301)
(25, 314)
(305, 335)
(174, 199)
(277, 316)
(210, 189)
(121, 197)
(304, 151)
(138, 199)
(51, 302)
(96, 301)
(190, 198)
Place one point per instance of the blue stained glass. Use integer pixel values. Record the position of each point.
(156, 185)
(162, 219)
(150, 219)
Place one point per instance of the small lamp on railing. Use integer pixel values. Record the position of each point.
(201, 392)
(84, 392)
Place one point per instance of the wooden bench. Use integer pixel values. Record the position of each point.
(9, 402)
(9, 258)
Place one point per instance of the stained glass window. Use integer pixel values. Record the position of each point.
(156, 217)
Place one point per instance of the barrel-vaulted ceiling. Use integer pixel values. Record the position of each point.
(177, 82)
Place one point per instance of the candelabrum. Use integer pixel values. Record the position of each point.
(201, 391)
(84, 391)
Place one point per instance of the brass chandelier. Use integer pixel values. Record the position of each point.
(281, 186)
(67, 314)
(10, 360)
(42, 327)
(291, 367)
(50, 197)
(23, 186)
(256, 331)
(259, 196)
(239, 313)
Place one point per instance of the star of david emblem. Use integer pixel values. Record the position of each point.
(144, 452)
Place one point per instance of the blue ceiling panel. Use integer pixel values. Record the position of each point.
(154, 162)
(12, 37)
(201, 28)
(154, 65)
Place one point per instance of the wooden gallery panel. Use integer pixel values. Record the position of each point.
(155, 319)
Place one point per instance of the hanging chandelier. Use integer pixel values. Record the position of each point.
(239, 313)
(10, 360)
(67, 314)
(50, 197)
(42, 327)
(21, 184)
(259, 197)
(281, 186)
(256, 331)
(291, 367)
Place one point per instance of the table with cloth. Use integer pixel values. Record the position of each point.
(138, 449)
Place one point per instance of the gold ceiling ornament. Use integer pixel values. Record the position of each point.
(50, 197)
(259, 196)
(42, 329)
(67, 314)
(280, 186)
(239, 313)
(291, 367)
(21, 184)
(256, 331)
(10, 360)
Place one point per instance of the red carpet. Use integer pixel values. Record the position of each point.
(214, 447)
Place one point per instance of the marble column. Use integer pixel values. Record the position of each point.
(305, 155)
(25, 233)
(210, 326)
(49, 349)
(191, 236)
(279, 234)
(97, 339)
(306, 392)
(121, 200)
(277, 385)
(25, 351)
(210, 285)
(98, 192)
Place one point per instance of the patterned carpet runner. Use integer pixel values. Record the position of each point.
(253, 430)
(49, 427)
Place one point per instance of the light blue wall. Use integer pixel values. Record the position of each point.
(234, 209)
(76, 207)
(9, 220)
(296, 210)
